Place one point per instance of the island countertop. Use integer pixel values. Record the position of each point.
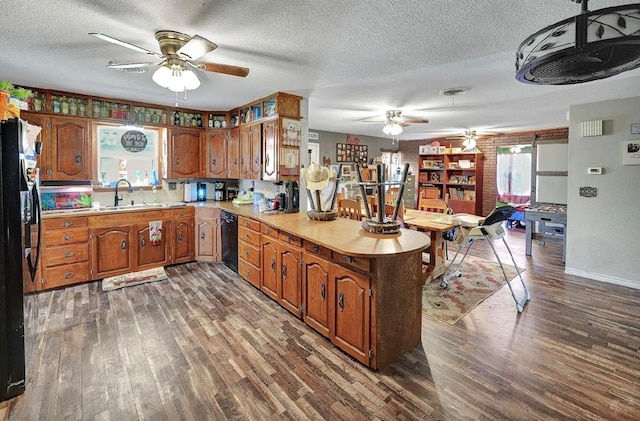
(343, 235)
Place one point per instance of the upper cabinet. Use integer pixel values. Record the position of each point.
(185, 149)
(216, 144)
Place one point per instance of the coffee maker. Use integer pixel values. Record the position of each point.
(219, 191)
(292, 196)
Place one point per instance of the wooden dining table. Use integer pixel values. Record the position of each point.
(435, 224)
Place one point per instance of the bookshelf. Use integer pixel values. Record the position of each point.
(457, 176)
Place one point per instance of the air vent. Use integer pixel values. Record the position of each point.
(454, 91)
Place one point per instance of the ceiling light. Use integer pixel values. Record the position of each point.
(590, 46)
(392, 129)
(175, 77)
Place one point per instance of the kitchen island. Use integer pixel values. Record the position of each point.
(362, 291)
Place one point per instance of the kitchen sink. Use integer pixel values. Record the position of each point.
(143, 206)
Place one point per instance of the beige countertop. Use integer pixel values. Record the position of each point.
(343, 235)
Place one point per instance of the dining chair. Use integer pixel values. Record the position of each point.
(388, 210)
(348, 208)
(432, 205)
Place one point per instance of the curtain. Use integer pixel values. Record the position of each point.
(513, 175)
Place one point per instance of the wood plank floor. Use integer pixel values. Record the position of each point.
(205, 345)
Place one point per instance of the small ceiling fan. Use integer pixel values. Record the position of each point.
(469, 140)
(178, 55)
(395, 117)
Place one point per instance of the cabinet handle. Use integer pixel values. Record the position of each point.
(349, 259)
(68, 254)
(341, 301)
(248, 236)
(68, 275)
(289, 238)
(256, 161)
(179, 237)
(284, 272)
(78, 158)
(68, 237)
(213, 162)
(316, 248)
(49, 171)
(202, 234)
(235, 162)
(143, 242)
(323, 291)
(67, 224)
(246, 253)
(273, 263)
(123, 245)
(266, 160)
(177, 161)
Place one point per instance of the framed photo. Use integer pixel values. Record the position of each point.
(346, 171)
(631, 152)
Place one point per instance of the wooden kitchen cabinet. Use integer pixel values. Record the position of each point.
(185, 150)
(350, 306)
(250, 148)
(207, 221)
(112, 251)
(216, 145)
(281, 273)
(182, 234)
(66, 147)
(65, 252)
(315, 292)
(281, 140)
(249, 247)
(150, 255)
(233, 153)
(270, 284)
(270, 149)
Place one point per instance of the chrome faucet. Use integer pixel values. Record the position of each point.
(117, 199)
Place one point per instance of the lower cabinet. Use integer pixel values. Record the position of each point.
(65, 252)
(112, 251)
(281, 273)
(249, 261)
(207, 241)
(182, 233)
(151, 254)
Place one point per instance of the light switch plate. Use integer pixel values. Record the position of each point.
(588, 191)
(172, 185)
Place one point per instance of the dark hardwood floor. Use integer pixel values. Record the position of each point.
(206, 345)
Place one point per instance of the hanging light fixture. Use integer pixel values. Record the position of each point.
(392, 128)
(469, 142)
(174, 76)
(590, 46)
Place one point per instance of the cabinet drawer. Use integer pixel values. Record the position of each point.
(317, 250)
(62, 223)
(248, 223)
(270, 231)
(249, 272)
(65, 254)
(66, 236)
(248, 235)
(362, 263)
(185, 212)
(66, 275)
(290, 238)
(249, 252)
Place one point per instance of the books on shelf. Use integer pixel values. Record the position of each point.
(462, 194)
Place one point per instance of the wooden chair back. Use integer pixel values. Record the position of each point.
(432, 205)
(351, 209)
(388, 209)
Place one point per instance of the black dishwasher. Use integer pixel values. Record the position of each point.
(229, 234)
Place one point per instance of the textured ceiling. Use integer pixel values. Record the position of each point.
(352, 59)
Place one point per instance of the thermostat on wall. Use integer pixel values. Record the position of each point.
(595, 170)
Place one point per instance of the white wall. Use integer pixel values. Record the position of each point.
(603, 232)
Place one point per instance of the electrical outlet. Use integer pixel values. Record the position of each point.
(588, 191)
(172, 185)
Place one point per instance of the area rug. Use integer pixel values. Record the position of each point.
(480, 279)
(135, 278)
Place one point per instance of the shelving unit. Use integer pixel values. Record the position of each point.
(455, 177)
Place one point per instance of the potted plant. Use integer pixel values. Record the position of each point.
(20, 95)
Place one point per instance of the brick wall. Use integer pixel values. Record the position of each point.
(487, 145)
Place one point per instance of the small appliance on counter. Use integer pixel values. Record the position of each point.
(190, 191)
(232, 193)
(292, 197)
(219, 191)
(201, 192)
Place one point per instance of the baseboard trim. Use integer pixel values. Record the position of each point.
(603, 278)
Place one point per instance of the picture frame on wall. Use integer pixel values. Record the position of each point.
(348, 152)
(631, 152)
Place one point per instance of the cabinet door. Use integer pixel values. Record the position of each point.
(216, 154)
(351, 312)
(151, 255)
(183, 239)
(245, 152)
(290, 279)
(233, 151)
(256, 146)
(270, 268)
(44, 160)
(70, 149)
(206, 242)
(185, 152)
(315, 293)
(111, 251)
(270, 149)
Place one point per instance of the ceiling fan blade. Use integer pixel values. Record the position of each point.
(374, 121)
(124, 44)
(415, 120)
(222, 68)
(196, 47)
(113, 65)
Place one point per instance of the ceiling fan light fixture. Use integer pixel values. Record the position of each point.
(175, 78)
(589, 46)
(392, 129)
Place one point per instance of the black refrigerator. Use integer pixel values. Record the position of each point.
(20, 235)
